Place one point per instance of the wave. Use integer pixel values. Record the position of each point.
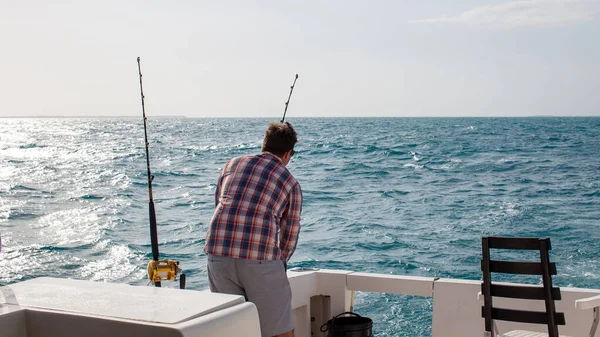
(16, 215)
(92, 197)
(394, 193)
(22, 188)
(415, 166)
(32, 146)
(174, 174)
(592, 194)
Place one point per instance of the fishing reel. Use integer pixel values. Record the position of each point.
(165, 270)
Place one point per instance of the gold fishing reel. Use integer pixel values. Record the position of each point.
(165, 270)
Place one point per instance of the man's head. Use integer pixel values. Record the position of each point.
(280, 139)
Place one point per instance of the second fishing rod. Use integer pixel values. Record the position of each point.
(290, 96)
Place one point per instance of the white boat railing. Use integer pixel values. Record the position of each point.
(318, 295)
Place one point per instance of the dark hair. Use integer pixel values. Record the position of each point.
(279, 138)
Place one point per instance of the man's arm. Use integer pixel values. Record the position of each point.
(290, 224)
(219, 183)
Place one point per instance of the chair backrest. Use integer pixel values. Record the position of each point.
(545, 292)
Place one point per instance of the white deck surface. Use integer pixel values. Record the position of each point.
(149, 304)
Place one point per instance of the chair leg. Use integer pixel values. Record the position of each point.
(493, 333)
(595, 323)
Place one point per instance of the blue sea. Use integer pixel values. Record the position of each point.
(405, 196)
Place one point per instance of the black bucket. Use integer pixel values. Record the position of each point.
(353, 325)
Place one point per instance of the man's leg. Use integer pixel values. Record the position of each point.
(222, 276)
(267, 286)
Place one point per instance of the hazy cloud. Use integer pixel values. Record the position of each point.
(525, 13)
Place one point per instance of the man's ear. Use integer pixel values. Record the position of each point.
(286, 157)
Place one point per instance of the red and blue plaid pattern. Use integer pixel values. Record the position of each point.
(257, 210)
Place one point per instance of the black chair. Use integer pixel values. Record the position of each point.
(545, 292)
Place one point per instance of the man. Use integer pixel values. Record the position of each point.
(254, 230)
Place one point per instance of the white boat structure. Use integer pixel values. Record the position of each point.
(52, 307)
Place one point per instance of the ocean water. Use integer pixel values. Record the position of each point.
(409, 196)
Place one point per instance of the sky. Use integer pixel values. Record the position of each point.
(226, 58)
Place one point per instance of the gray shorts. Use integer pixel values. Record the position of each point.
(262, 282)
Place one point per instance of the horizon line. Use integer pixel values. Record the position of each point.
(289, 117)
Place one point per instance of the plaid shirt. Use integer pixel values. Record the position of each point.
(257, 210)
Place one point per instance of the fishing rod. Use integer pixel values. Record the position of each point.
(158, 270)
(288, 101)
